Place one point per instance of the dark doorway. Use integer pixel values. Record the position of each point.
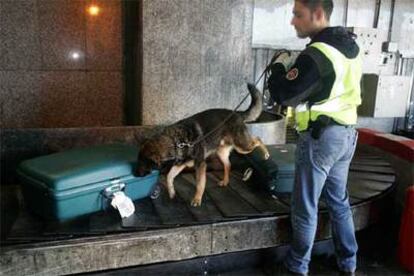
(132, 61)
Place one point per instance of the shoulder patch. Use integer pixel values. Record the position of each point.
(292, 74)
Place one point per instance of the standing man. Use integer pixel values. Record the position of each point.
(324, 87)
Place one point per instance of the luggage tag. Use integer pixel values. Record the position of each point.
(119, 200)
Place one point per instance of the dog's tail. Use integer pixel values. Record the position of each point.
(256, 105)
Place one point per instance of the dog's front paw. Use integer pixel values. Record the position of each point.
(267, 155)
(196, 202)
(223, 183)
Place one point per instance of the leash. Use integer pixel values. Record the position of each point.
(197, 141)
(264, 73)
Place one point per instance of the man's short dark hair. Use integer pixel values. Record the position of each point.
(327, 5)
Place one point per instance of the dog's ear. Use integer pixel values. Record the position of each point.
(140, 138)
(143, 142)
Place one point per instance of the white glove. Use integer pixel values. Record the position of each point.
(285, 59)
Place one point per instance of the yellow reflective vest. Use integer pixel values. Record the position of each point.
(345, 95)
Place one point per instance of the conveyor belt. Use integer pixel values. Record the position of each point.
(370, 176)
(238, 217)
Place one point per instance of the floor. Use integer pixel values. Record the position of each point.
(377, 256)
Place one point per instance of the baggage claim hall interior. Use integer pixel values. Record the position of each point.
(87, 85)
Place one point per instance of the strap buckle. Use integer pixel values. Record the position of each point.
(183, 145)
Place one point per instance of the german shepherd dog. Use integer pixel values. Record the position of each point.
(188, 143)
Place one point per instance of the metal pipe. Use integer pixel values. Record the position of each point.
(255, 50)
(399, 64)
(408, 125)
(346, 13)
(391, 19)
(377, 12)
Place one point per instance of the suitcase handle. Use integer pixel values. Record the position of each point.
(116, 186)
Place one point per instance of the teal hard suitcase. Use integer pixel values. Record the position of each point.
(77, 182)
(276, 174)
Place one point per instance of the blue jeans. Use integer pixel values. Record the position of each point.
(322, 171)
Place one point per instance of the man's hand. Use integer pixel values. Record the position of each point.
(278, 53)
(280, 64)
(283, 57)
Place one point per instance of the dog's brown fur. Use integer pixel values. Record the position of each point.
(174, 146)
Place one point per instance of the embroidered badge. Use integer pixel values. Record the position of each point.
(292, 74)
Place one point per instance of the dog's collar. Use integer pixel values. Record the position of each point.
(182, 149)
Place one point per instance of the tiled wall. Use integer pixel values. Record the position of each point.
(196, 55)
(59, 65)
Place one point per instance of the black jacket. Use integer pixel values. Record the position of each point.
(304, 82)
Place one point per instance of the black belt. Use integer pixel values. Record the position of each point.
(318, 127)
